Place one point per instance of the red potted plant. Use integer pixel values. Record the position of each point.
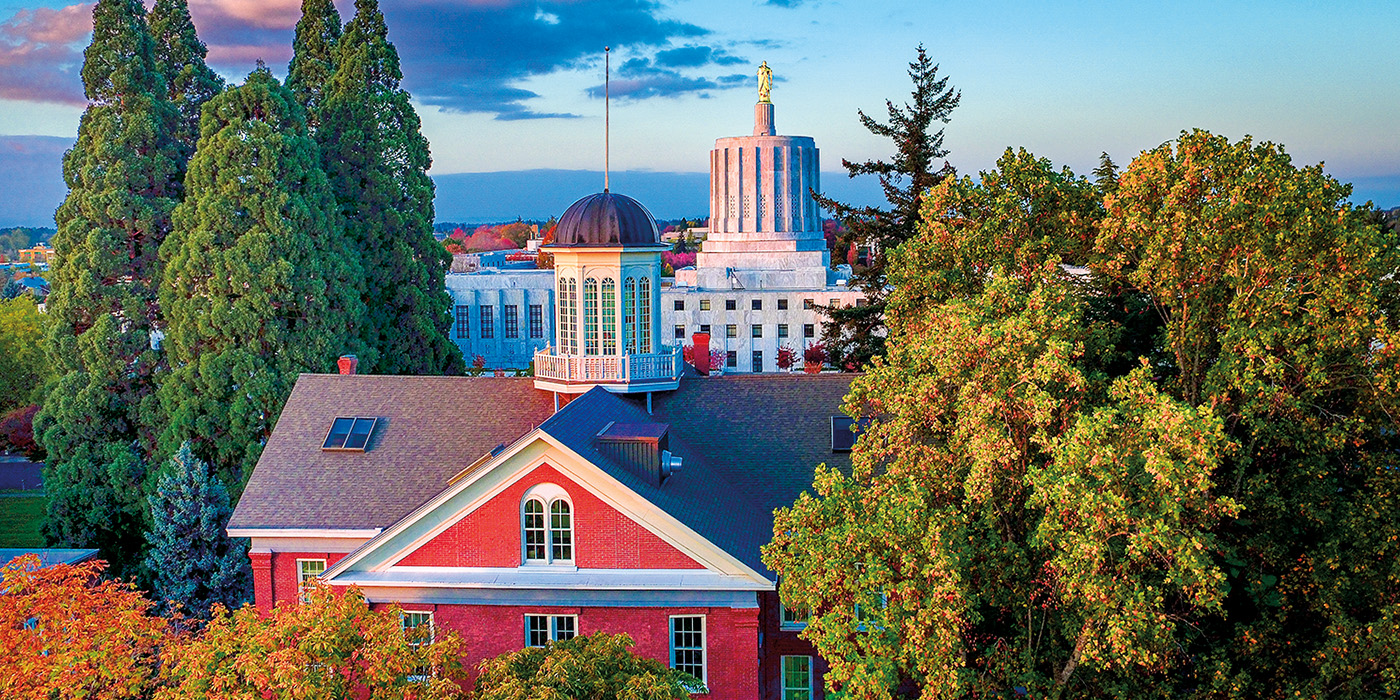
(813, 358)
(718, 360)
(787, 357)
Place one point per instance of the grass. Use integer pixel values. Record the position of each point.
(20, 518)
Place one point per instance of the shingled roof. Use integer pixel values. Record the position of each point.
(429, 429)
(749, 444)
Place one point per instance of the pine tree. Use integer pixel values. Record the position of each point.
(193, 563)
(313, 56)
(189, 82)
(259, 283)
(855, 335)
(1106, 175)
(377, 162)
(123, 181)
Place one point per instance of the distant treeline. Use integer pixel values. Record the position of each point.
(19, 237)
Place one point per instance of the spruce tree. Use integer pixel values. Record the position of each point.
(259, 283)
(189, 82)
(377, 162)
(313, 56)
(123, 181)
(193, 563)
(855, 335)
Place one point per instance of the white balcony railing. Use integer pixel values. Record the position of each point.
(664, 365)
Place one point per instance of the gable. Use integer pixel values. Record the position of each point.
(603, 537)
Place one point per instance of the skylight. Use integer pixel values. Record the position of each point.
(349, 434)
(844, 432)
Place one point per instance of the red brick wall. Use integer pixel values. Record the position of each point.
(603, 537)
(777, 643)
(731, 636)
(275, 575)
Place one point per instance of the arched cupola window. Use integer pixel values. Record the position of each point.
(629, 314)
(609, 316)
(590, 316)
(547, 526)
(644, 315)
(568, 315)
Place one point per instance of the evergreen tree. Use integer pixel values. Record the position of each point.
(189, 83)
(855, 335)
(377, 162)
(1106, 175)
(313, 56)
(123, 181)
(193, 563)
(259, 284)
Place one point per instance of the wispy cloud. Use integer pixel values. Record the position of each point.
(41, 54)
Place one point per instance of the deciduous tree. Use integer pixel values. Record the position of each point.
(24, 369)
(598, 666)
(1169, 472)
(68, 633)
(331, 645)
(856, 334)
(377, 161)
(260, 283)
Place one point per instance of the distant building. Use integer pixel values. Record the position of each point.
(760, 274)
(40, 254)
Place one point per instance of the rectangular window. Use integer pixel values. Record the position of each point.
(704, 304)
(756, 330)
(488, 322)
(782, 304)
(862, 302)
(680, 331)
(688, 644)
(307, 571)
(418, 630)
(350, 434)
(835, 304)
(757, 361)
(808, 305)
(680, 305)
(511, 321)
(730, 304)
(463, 321)
(844, 431)
(731, 359)
(731, 331)
(536, 321)
(540, 630)
(809, 330)
(797, 678)
(794, 618)
(757, 304)
(782, 330)
(705, 328)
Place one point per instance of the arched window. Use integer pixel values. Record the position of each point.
(629, 314)
(547, 526)
(609, 316)
(644, 315)
(590, 316)
(568, 316)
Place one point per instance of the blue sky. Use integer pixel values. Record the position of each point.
(508, 85)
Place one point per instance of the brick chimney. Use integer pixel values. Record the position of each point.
(701, 352)
(348, 364)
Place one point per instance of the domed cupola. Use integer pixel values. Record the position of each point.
(606, 219)
(607, 275)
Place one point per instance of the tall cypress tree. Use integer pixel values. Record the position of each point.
(259, 283)
(377, 162)
(193, 563)
(856, 335)
(189, 82)
(123, 181)
(313, 56)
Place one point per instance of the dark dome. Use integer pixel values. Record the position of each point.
(606, 219)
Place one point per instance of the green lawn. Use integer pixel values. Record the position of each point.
(20, 517)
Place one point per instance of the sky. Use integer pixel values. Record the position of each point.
(510, 91)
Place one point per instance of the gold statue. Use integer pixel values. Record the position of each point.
(765, 83)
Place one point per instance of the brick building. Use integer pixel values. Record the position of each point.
(616, 491)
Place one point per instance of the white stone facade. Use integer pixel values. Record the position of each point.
(520, 319)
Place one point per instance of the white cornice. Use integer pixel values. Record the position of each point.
(263, 532)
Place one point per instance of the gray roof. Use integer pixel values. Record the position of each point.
(49, 557)
(749, 444)
(430, 429)
(605, 219)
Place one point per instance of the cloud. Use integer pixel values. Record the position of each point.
(41, 54)
(642, 78)
(695, 56)
(784, 3)
(31, 176)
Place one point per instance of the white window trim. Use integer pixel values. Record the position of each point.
(432, 623)
(549, 494)
(704, 644)
(302, 579)
(553, 628)
(783, 624)
(782, 672)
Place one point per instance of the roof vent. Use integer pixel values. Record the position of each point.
(670, 464)
(640, 447)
